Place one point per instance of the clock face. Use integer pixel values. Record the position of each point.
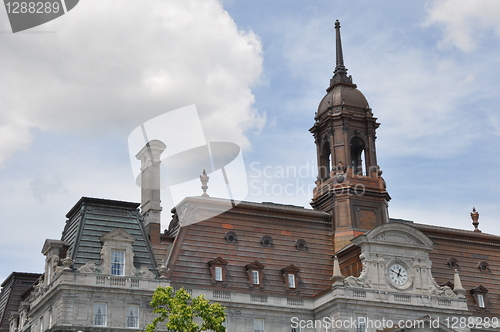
(398, 274)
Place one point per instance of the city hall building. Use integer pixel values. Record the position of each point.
(342, 265)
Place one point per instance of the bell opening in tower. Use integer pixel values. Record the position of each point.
(357, 156)
(326, 159)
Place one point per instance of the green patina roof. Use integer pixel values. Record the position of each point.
(92, 218)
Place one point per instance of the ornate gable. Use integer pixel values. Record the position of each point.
(118, 234)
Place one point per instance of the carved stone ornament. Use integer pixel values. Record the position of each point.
(89, 267)
(162, 270)
(441, 290)
(144, 272)
(67, 263)
(361, 280)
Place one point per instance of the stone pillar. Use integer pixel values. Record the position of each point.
(150, 187)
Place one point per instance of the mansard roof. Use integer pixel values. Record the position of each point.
(200, 242)
(92, 218)
(13, 288)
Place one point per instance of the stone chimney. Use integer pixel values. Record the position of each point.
(150, 187)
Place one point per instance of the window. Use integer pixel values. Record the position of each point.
(296, 329)
(255, 277)
(133, 316)
(255, 273)
(480, 300)
(301, 245)
(361, 324)
(218, 273)
(100, 312)
(50, 318)
(291, 281)
(290, 277)
(480, 294)
(258, 325)
(231, 237)
(266, 241)
(117, 263)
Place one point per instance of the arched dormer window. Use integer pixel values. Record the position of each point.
(357, 155)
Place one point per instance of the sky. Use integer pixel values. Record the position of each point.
(72, 91)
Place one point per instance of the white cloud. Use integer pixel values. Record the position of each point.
(462, 20)
(111, 65)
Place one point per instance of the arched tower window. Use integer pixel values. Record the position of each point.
(357, 155)
(326, 161)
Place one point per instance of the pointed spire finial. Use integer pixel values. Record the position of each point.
(337, 277)
(204, 180)
(340, 73)
(475, 219)
(458, 289)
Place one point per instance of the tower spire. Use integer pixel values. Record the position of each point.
(340, 73)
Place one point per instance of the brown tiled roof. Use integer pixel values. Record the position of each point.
(204, 241)
(468, 248)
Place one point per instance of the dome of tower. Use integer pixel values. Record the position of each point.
(344, 94)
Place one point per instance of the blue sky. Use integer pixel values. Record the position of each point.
(72, 90)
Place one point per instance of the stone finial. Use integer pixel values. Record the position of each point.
(458, 289)
(337, 277)
(67, 262)
(475, 219)
(204, 180)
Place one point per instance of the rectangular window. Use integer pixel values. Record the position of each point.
(50, 318)
(258, 325)
(480, 300)
(291, 281)
(117, 263)
(133, 316)
(361, 324)
(218, 273)
(255, 277)
(296, 329)
(100, 312)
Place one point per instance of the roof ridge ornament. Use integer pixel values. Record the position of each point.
(475, 219)
(204, 181)
(340, 73)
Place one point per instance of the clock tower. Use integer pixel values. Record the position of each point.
(349, 183)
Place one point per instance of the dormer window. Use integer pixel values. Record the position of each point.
(266, 241)
(117, 263)
(255, 274)
(480, 295)
(290, 276)
(231, 237)
(218, 270)
(117, 254)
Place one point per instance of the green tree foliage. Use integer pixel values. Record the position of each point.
(180, 314)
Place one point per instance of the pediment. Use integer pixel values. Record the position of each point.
(396, 233)
(118, 234)
(217, 261)
(290, 269)
(255, 265)
(479, 289)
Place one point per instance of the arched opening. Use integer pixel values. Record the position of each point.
(326, 160)
(357, 155)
